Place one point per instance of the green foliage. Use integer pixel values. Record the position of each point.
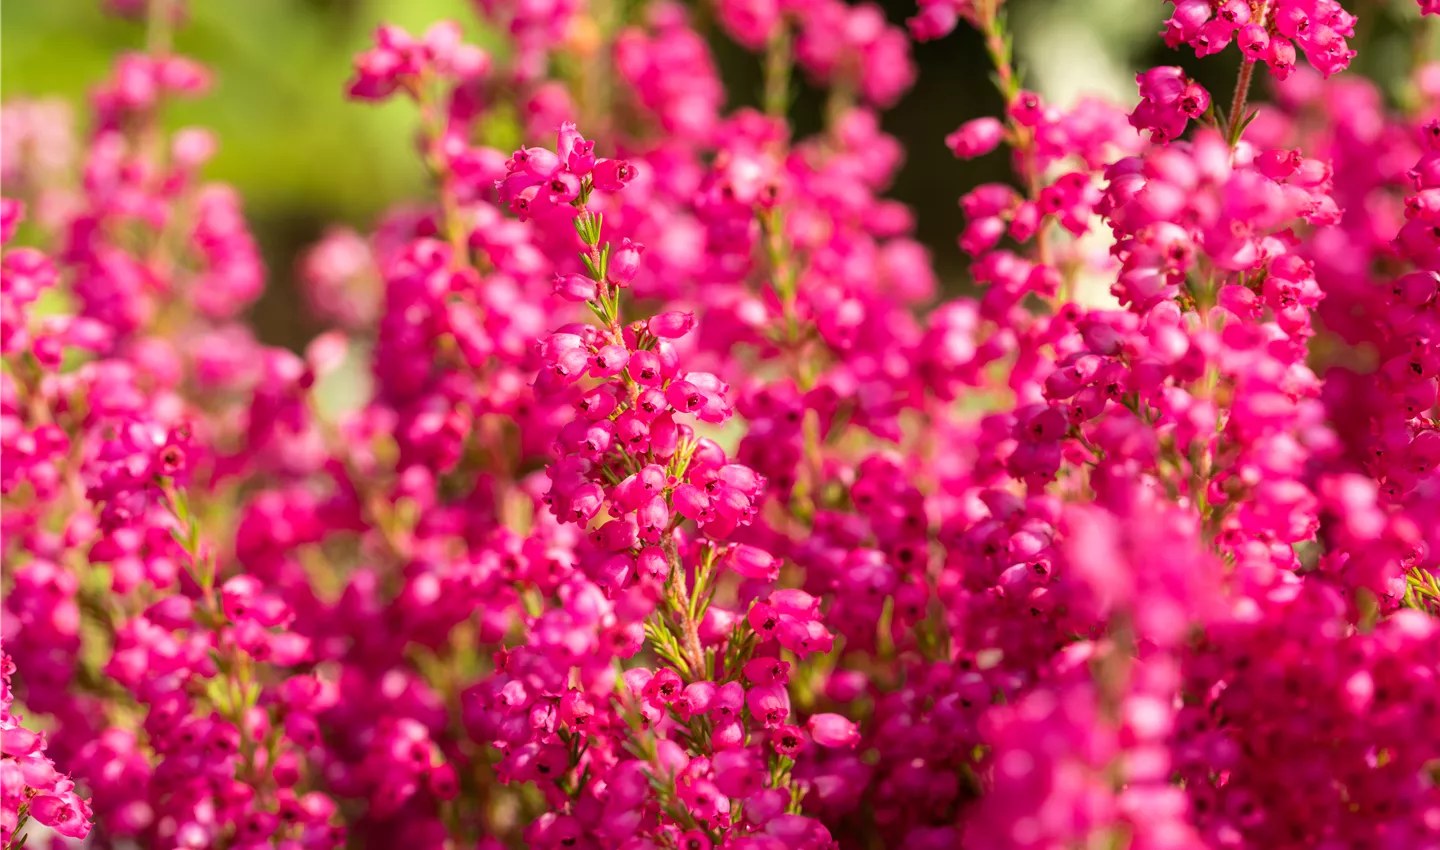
(290, 142)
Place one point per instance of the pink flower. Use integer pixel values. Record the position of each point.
(753, 562)
(65, 813)
(975, 138)
(611, 175)
(832, 730)
(626, 262)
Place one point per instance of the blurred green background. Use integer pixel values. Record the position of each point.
(304, 157)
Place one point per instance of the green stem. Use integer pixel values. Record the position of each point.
(778, 63)
(159, 27)
(682, 605)
(233, 664)
(1242, 89)
(432, 128)
(1022, 139)
(1237, 102)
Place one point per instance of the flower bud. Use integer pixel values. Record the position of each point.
(611, 175)
(975, 138)
(625, 264)
(1254, 41)
(610, 360)
(832, 730)
(671, 325)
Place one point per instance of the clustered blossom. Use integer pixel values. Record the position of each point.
(835, 43)
(32, 788)
(1168, 102)
(1269, 31)
(938, 18)
(680, 508)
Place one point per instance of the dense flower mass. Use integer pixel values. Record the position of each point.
(682, 512)
(32, 787)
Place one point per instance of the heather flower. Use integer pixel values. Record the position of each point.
(975, 138)
(1168, 100)
(1318, 28)
(666, 490)
(937, 18)
(32, 785)
(832, 730)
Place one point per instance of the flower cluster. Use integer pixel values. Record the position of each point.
(679, 506)
(33, 789)
(1168, 102)
(1269, 31)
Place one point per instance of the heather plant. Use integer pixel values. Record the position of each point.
(681, 509)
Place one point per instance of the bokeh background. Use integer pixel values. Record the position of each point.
(304, 157)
